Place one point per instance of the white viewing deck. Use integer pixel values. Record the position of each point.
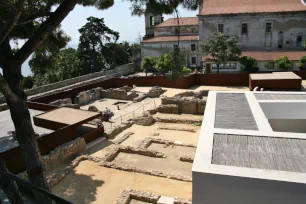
(251, 149)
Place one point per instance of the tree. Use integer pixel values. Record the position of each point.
(302, 62)
(28, 82)
(148, 65)
(282, 63)
(248, 64)
(32, 21)
(164, 63)
(116, 54)
(221, 48)
(94, 35)
(65, 65)
(304, 44)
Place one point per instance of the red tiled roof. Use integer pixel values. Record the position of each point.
(268, 55)
(272, 55)
(213, 7)
(171, 39)
(183, 22)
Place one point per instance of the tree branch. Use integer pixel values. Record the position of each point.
(10, 24)
(33, 17)
(5, 89)
(44, 30)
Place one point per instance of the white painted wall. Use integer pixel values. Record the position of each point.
(291, 24)
(238, 67)
(284, 110)
(288, 125)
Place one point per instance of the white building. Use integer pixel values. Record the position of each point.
(265, 29)
(251, 149)
(162, 37)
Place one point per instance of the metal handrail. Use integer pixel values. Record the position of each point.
(37, 189)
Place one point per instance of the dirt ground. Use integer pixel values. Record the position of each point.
(141, 132)
(137, 202)
(91, 183)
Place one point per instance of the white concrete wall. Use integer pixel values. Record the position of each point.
(222, 189)
(291, 24)
(284, 110)
(158, 49)
(288, 125)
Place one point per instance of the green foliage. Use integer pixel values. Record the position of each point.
(186, 71)
(94, 35)
(28, 82)
(148, 65)
(304, 44)
(117, 54)
(266, 64)
(283, 63)
(221, 48)
(248, 64)
(302, 62)
(164, 63)
(66, 65)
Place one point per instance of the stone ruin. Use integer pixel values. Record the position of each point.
(155, 92)
(187, 102)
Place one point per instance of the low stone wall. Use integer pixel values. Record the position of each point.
(188, 105)
(149, 140)
(129, 194)
(177, 129)
(123, 138)
(169, 119)
(117, 71)
(186, 158)
(63, 153)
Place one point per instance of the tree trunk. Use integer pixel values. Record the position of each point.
(24, 131)
(9, 187)
(218, 68)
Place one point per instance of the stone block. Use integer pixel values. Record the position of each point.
(83, 97)
(96, 92)
(155, 92)
(170, 100)
(170, 108)
(140, 98)
(106, 93)
(61, 102)
(188, 106)
(201, 106)
(165, 200)
(119, 94)
(132, 95)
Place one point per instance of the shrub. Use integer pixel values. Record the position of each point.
(28, 82)
(248, 64)
(283, 63)
(149, 64)
(186, 71)
(302, 63)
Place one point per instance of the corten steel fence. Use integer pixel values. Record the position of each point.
(29, 187)
(133, 114)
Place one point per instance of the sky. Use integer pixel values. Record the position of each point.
(117, 18)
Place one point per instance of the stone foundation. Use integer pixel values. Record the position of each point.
(123, 138)
(155, 92)
(186, 158)
(177, 129)
(170, 108)
(129, 194)
(188, 105)
(167, 119)
(64, 152)
(149, 140)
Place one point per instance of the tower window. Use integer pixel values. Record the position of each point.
(193, 47)
(151, 20)
(221, 28)
(244, 28)
(268, 27)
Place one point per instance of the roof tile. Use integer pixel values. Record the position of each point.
(214, 7)
(183, 22)
(171, 39)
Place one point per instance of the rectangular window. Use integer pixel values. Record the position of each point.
(193, 60)
(233, 66)
(214, 66)
(270, 65)
(244, 28)
(151, 20)
(176, 31)
(193, 47)
(268, 27)
(299, 39)
(175, 47)
(220, 28)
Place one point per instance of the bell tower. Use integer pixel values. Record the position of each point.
(151, 21)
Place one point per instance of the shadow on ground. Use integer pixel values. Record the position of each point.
(74, 185)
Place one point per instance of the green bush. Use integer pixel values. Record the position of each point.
(28, 82)
(186, 71)
(283, 63)
(248, 64)
(302, 63)
(148, 65)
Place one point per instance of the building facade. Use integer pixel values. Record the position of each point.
(163, 37)
(265, 29)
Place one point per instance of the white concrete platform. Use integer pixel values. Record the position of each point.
(240, 162)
